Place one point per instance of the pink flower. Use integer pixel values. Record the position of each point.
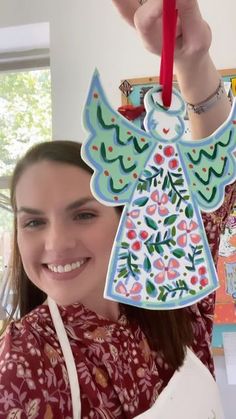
(182, 239)
(160, 201)
(133, 292)
(169, 270)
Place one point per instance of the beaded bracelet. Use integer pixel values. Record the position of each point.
(206, 104)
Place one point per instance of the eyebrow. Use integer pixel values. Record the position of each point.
(70, 207)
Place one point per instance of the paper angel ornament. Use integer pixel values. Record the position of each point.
(160, 257)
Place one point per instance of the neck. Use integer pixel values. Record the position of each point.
(106, 308)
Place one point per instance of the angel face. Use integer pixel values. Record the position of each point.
(64, 235)
(164, 124)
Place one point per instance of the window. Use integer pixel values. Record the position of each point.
(25, 119)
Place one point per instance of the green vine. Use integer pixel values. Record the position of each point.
(128, 267)
(175, 194)
(157, 245)
(150, 177)
(196, 251)
(171, 290)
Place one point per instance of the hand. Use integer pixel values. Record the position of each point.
(196, 73)
(193, 35)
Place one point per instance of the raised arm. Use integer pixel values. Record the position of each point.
(197, 76)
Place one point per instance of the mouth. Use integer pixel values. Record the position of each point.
(66, 268)
(67, 271)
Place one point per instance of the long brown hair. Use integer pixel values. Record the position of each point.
(167, 331)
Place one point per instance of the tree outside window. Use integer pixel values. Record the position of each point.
(25, 119)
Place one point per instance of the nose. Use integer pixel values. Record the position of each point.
(60, 238)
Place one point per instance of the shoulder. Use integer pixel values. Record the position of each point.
(21, 335)
(30, 364)
(20, 364)
(22, 347)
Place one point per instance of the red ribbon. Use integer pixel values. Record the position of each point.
(167, 57)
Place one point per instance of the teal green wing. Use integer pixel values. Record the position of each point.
(116, 150)
(210, 163)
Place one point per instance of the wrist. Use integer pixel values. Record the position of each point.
(197, 78)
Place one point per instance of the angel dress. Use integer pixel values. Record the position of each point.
(119, 377)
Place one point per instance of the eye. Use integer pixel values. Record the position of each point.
(33, 223)
(84, 216)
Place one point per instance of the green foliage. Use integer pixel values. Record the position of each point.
(25, 119)
(25, 114)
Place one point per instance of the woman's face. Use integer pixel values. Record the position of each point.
(64, 235)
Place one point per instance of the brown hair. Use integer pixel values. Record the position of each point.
(169, 331)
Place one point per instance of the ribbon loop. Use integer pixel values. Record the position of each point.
(167, 58)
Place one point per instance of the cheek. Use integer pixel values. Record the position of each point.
(26, 248)
(108, 238)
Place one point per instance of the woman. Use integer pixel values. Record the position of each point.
(70, 338)
(124, 356)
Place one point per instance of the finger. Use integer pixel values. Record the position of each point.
(148, 22)
(127, 9)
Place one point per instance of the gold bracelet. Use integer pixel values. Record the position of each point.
(206, 104)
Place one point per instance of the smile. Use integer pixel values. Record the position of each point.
(66, 268)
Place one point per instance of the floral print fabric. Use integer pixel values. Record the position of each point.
(119, 376)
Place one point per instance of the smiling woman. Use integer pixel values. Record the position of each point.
(62, 243)
(124, 361)
(60, 234)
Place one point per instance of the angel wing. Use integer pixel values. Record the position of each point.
(115, 149)
(210, 163)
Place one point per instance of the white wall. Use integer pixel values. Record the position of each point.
(88, 34)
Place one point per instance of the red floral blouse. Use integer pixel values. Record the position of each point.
(118, 374)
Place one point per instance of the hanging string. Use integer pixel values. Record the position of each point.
(167, 57)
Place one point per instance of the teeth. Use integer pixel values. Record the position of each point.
(67, 268)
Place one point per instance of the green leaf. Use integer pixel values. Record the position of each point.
(151, 223)
(178, 253)
(140, 202)
(190, 268)
(179, 182)
(124, 245)
(163, 294)
(173, 231)
(151, 289)
(146, 173)
(174, 198)
(170, 220)
(147, 264)
(189, 211)
(159, 249)
(198, 261)
(176, 174)
(158, 237)
(165, 183)
(123, 272)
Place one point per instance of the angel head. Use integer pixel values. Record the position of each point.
(164, 124)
